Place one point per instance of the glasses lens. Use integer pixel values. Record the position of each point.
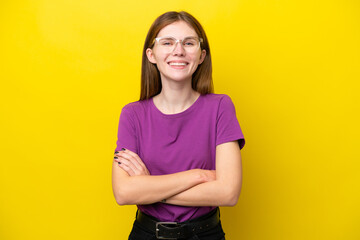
(167, 42)
(190, 44)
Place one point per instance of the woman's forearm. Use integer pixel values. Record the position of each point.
(146, 189)
(189, 188)
(213, 193)
(225, 190)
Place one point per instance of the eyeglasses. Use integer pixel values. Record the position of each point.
(189, 44)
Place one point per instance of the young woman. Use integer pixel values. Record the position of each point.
(178, 149)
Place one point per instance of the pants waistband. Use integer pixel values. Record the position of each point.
(175, 230)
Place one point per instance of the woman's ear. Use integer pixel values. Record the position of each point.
(202, 56)
(150, 55)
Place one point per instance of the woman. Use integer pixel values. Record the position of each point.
(172, 140)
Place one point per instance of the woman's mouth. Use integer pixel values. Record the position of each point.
(177, 64)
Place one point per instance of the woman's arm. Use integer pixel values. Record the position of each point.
(225, 190)
(193, 188)
(129, 187)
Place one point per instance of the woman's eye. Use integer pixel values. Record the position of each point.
(167, 43)
(189, 43)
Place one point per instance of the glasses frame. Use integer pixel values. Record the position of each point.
(200, 40)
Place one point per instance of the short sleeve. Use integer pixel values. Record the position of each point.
(228, 128)
(127, 132)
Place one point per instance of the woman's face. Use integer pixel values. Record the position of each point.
(178, 63)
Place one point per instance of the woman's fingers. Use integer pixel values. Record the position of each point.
(132, 161)
(127, 165)
(127, 169)
(137, 158)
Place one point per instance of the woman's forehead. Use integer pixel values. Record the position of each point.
(178, 30)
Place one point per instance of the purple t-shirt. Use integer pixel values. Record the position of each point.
(178, 142)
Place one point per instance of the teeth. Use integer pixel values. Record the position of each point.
(177, 64)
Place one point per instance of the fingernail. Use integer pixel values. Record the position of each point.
(123, 149)
(117, 152)
(119, 163)
(115, 157)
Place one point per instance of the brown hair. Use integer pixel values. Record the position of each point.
(150, 75)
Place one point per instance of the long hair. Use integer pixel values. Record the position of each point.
(150, 75)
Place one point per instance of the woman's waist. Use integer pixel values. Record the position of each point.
(174, 213)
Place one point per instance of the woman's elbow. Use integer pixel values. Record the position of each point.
(231, 197)
(121, 200)
(121, 197)
(232, 201)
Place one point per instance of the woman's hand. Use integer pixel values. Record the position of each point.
(131, 163)
(208, 175)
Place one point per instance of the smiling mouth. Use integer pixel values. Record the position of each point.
(177, 64)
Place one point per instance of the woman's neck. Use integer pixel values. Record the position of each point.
(175, 99)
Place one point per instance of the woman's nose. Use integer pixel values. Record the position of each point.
(179, 49)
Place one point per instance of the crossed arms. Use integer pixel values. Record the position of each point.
(132, 183)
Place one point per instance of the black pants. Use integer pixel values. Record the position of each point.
(140, 233)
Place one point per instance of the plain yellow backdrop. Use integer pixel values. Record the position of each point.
(292, 69)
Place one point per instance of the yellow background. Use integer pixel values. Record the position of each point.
(292, 69)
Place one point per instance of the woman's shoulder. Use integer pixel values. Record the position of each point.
(216, 98)
(137, 105)
(137, 108)
(219, 102)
